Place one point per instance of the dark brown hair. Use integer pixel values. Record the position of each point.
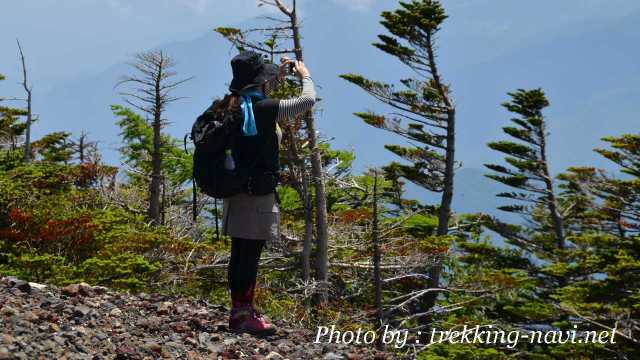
(231, 102)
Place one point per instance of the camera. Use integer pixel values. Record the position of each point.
(292, 66)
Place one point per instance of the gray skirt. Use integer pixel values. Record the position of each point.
(252, 217)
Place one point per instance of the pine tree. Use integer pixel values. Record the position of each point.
(529, 172)
(153, 85)
(55, 147)
(424, 112)
(589, 281)
(608, 255)
(137, 153)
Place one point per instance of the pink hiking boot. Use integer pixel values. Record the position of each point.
(250, 321)
(244, 317)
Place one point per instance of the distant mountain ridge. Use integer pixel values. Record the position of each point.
(586, 104)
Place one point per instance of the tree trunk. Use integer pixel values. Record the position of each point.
(322, 234)
(552, 204)
(301, 184)
(308, 234)
(81, 148)
(156, 157)
(156, 163)
(449, 173)
(376, 263)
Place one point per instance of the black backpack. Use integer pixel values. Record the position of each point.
(213, 133)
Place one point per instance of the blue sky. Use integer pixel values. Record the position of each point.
(582, 52)
(67, 38)
(70, 38)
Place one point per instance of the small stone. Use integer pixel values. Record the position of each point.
(282, 347)
(197, 324)
(8, 311)
(101, 336)
(164, 308)
(99, 289)
(124, 353)
(273, 356)
(30, 316)
(81, 330)
(5, 354)
(215, 349)
(332, 356)
(7, 339)
(81, 311)
(180, 327)
(91, 304)
(59, 340)
(23, 286)
(70, 290)
(151, 323)
(116, 312)
(154, 347)
(191, 341)
(203, 338)
(37, 286)
(85, 289)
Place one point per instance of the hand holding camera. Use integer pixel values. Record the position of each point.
(294, 67)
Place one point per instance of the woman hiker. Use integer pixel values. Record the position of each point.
(253, 221)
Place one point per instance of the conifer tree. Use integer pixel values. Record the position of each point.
(608, 246)
(55, 147)
(590, 280)
(151, 93)
(529, 170)
(423, 109)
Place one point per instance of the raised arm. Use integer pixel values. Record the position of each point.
(290, 108)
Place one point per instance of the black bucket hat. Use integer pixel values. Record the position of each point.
(250, 69)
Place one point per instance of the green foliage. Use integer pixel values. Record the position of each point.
(423, 111)
(124, 271)
(53, 231)
(55, 147)
(137, 135)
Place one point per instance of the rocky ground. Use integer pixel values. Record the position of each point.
(84, 322)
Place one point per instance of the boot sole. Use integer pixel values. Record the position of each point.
(255, 332)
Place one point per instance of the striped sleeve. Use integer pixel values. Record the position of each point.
(290, 108)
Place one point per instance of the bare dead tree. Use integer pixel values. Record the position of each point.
(29, 92)
(85, 148)
(151, 93)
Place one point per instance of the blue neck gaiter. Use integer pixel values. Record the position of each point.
(249, 126)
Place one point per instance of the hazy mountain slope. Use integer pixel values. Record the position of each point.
(588, 101)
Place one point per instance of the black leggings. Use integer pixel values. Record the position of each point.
(243, 265)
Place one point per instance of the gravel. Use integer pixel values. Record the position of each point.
(84, 322)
